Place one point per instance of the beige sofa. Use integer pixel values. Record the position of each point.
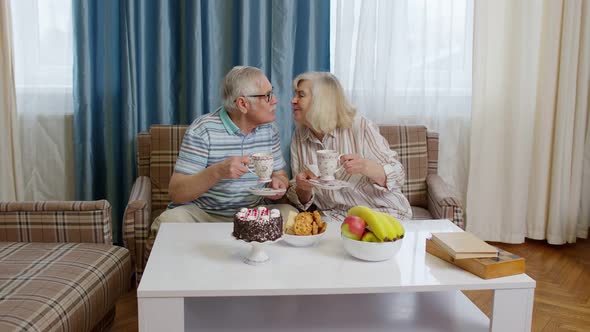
(59, 270)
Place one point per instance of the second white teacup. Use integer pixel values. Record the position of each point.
(262, 163)
(328, 161)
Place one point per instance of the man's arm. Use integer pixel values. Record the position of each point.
(185, 188)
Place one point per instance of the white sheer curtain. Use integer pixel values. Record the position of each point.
(409, 62)
(42, 37)
(11, 186)
(530, 152)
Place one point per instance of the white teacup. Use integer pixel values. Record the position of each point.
(328, 161)
(262, 163)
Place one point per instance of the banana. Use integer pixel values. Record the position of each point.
(390, 229)
(378, 224)
(399, 229)
(370, 237)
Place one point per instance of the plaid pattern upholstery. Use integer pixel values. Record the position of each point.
(136, 223)
(165, 144)
(441, 201)
(432, 150)
(156, 156)
(418, 152)
(60, 286)
(410, 144)
(144, 146)
(72, 221)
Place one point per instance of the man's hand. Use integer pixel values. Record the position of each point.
(233, 167)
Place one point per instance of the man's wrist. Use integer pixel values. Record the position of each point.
(215, 170)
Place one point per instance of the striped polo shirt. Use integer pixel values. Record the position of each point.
(211, 139)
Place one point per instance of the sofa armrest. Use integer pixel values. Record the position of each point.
(56, 221)
(442, 203)
(137, 222)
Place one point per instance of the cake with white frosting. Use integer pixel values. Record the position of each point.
(259, 224)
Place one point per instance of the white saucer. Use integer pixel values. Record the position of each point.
(266, 191)
(330, 185)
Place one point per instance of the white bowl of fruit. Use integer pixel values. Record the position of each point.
(371, 235)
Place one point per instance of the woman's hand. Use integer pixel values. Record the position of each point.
(353, 164)
(303, 187)
(301, 180)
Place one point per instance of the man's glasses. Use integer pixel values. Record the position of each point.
(267, 95)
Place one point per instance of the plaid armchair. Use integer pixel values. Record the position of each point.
(428, 194)
(157, 152)
(156, 155)
(58, 267)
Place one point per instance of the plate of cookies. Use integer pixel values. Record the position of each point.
(304, 229)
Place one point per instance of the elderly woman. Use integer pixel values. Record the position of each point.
(326, 121)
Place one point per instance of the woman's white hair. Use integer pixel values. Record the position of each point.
(240, 81)
(329, 107)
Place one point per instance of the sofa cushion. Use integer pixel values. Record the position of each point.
(60, 286)
(419, 213)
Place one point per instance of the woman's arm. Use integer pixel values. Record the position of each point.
(300, 192)
(379, 163)
(353, 164)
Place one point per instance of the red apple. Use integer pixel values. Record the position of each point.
(353, 227)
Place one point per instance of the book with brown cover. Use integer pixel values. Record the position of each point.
(462, 245)
(505, 264)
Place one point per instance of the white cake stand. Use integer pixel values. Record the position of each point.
(256, 255)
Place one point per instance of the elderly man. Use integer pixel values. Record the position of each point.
(211, 180)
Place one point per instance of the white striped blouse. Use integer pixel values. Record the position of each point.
(364, 140)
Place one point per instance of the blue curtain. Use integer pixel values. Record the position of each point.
(139, 63)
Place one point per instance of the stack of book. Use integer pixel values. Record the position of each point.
(474, 255)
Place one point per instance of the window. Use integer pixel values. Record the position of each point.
(42, 31)
(413, 47)
(43, 58)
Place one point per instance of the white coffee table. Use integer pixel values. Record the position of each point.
(196, 280)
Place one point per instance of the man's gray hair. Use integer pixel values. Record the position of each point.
(239, 81)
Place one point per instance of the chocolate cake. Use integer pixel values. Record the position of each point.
(260, 224)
